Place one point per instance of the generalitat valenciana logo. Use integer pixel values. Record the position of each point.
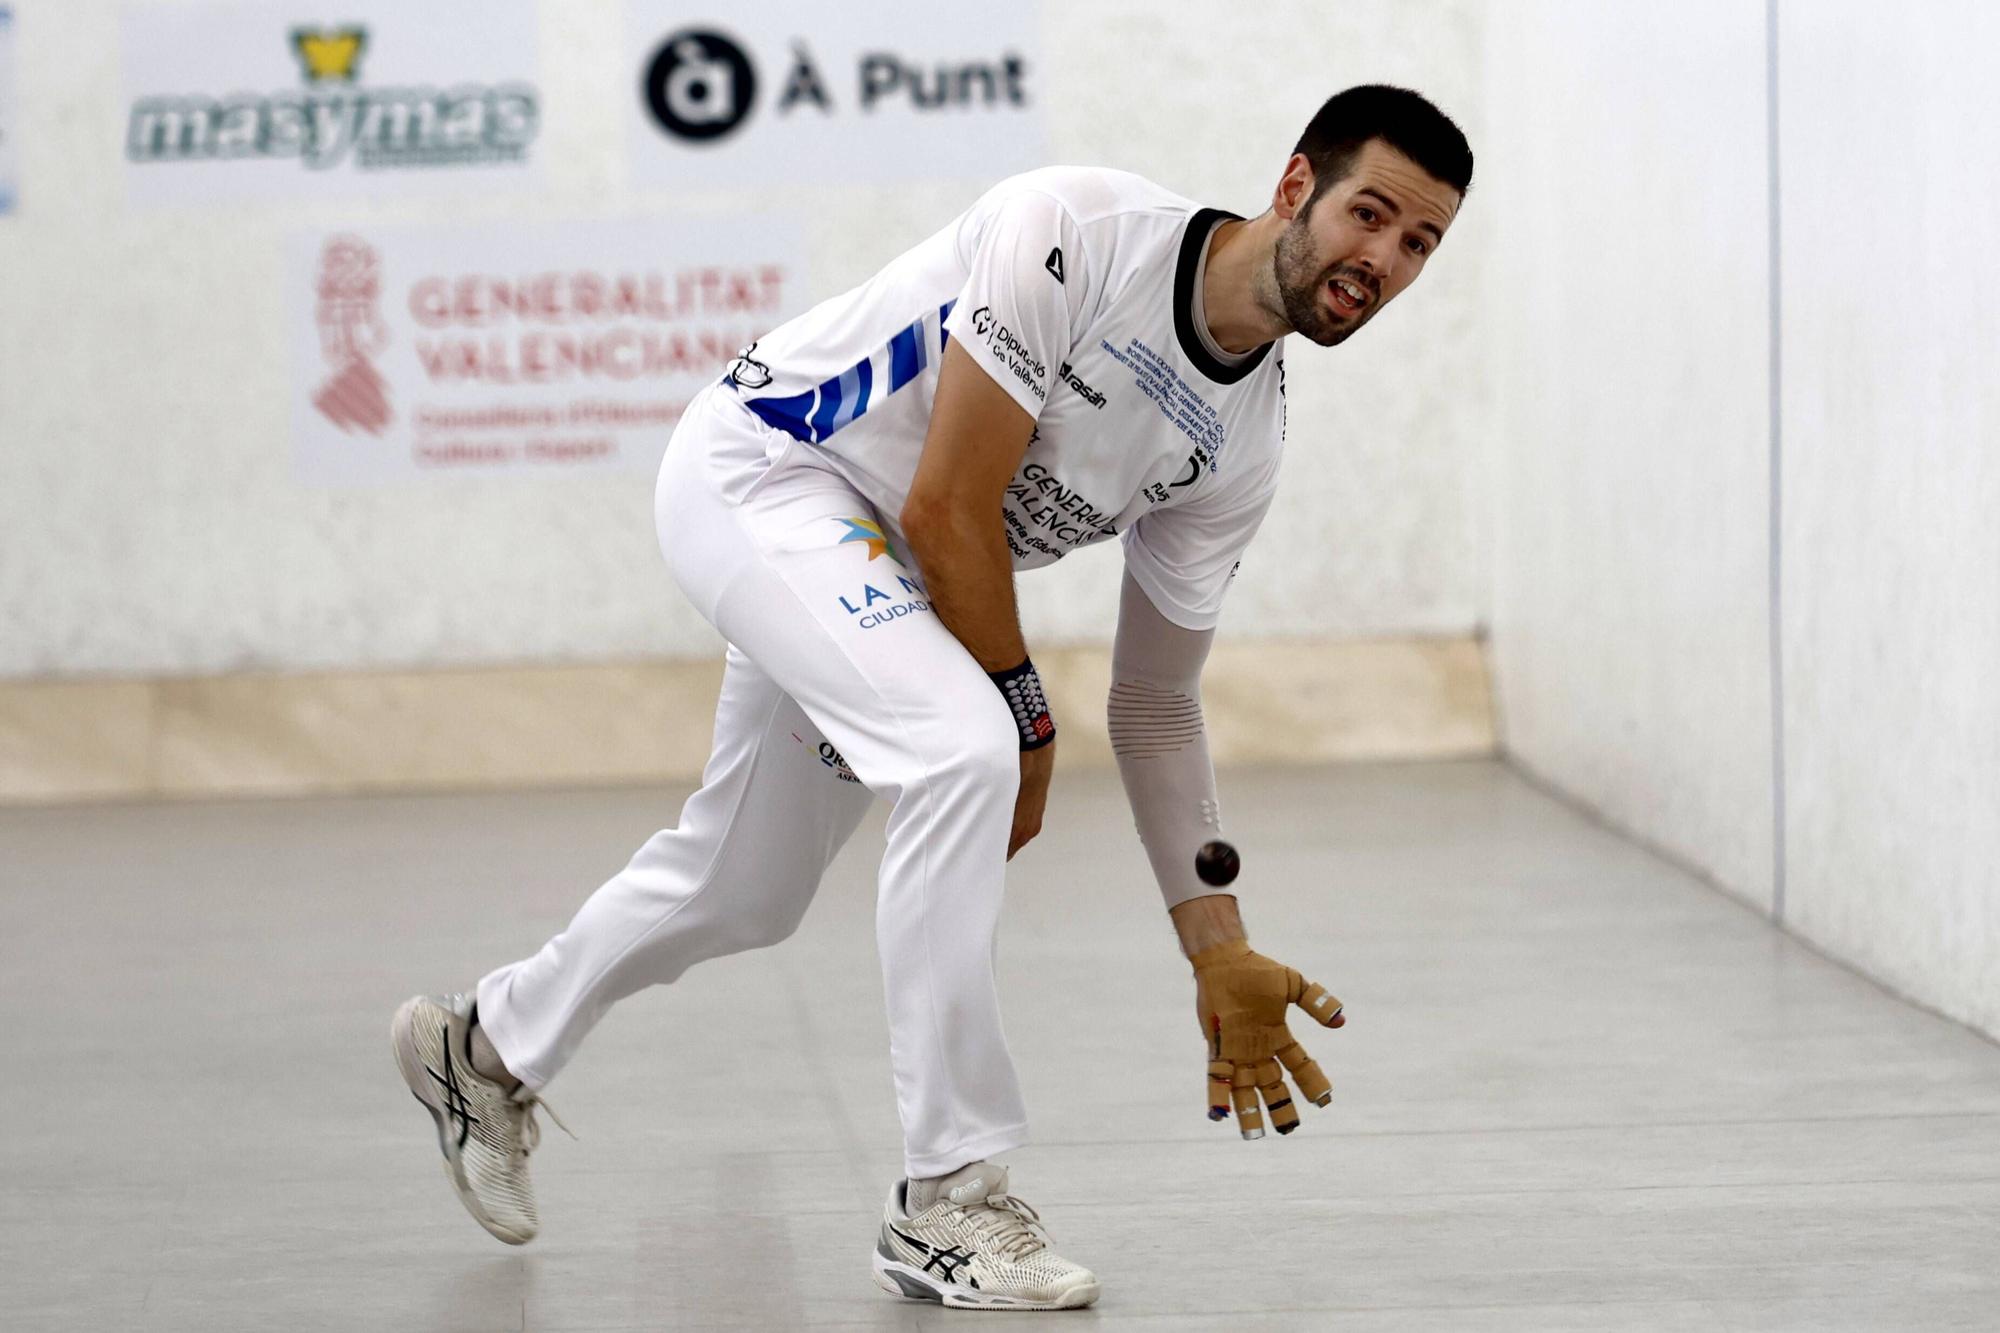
(351, 333)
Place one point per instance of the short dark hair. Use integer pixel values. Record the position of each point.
(1404, 120)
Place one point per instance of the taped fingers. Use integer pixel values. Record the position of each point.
(1243, 1090)
(1305, 1072)
(1219, 1074)
(1315, 1000)
(1277, 1097)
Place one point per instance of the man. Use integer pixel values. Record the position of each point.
(1080, 355)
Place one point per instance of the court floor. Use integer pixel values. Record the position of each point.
(1578, 1089)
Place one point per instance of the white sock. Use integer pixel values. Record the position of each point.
(919, 1194)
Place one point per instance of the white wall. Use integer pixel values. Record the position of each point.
(1632, 611)
(1891, 605)
(1625, 307)
(150, 522)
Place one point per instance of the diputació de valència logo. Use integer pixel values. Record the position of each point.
(336, 119)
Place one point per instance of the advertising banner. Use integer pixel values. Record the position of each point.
(272, 100)
(10, 120)
(797, 92)
(511, 348)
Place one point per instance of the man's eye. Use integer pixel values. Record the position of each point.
(1365, 214)
(1417, 247)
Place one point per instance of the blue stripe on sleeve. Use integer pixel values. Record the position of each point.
(906, 355)
(829, 407)
(787, 414)
(865, 373)
(848, 393)
(818, 412)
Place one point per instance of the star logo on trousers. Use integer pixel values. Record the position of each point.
(861, 530)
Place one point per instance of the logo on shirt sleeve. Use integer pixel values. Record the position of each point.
(1054, 264)
(1010, 351)
(747, 372)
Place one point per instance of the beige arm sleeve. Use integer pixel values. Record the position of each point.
(1161, 743)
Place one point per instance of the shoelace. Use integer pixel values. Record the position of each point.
(531, 1128)
(1010, 1226)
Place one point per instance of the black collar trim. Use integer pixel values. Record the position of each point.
(1200, 226)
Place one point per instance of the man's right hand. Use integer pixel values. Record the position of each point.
(1241, 999)
(1037, 767)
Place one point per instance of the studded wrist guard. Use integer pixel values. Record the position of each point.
(1021, 687)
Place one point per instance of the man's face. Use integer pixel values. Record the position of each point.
(1348, 253)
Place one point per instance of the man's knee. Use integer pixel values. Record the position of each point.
(753, 896)
(980, 749)
(749, 906)
(755, 930)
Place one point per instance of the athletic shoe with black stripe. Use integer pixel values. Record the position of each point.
(976, 1247)
(485, 1132)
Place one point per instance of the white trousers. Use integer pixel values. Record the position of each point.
(840, 682)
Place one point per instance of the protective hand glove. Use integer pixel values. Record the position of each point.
(1240, 999)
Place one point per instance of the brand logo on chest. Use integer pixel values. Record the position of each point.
(1083, 391)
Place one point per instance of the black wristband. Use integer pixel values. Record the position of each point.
(1021, 687)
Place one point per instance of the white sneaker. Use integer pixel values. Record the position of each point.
(976, 1248)
(485, 1132)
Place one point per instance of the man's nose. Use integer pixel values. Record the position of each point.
(1380, 258)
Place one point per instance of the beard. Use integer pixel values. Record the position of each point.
(1302, 287)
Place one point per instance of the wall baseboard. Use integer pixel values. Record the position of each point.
(621, 723)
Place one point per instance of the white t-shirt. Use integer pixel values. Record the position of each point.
(1077, 290)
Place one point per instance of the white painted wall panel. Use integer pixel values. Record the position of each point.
(1891, 552)
(1625, 314)
(150, 521)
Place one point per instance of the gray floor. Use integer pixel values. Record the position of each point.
(1577, 1091)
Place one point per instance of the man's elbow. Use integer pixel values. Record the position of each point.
(915, 520)
(927, 521)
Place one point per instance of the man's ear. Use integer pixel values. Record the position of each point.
(1294, 187)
